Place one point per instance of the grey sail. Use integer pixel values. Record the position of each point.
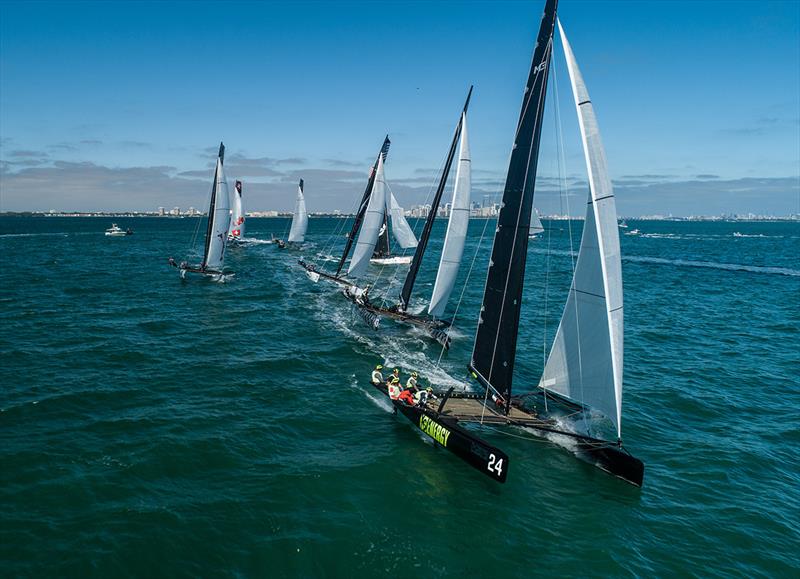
(400, 229)
(456, 235)
(297, 233)
(219, 219)
(373, 220)
(585, 362)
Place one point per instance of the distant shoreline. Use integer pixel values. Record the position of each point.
(271, 215)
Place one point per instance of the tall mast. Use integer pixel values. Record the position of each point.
(495, 347)
(413, 270)
(213, 204)
(363, 207)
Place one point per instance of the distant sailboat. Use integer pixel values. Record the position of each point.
(536, 225)
(236, 233)
(452, 250)
(213, 262)
(297, 233)
(394, 214)
(583, 373)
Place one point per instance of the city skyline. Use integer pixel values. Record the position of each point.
(106, 106)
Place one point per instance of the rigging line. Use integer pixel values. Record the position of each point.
(193, 242)
(548, 53)
(573, 260)
(466, 282)
(329, 244)
(418, 220)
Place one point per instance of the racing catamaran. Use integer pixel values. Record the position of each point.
(358, 267)
(213, 263)
(582, 376)
(299, 225)
(452, 251)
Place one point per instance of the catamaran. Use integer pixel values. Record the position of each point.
(297, 231)
(583, 372)
(434, 323)
(213, 262)
(373, 199)
(394, 214)
(236, 233)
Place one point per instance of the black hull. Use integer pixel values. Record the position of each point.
(446, 433)
(435, 328)
(183, 269)
(610, 457)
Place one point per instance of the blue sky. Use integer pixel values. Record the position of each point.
(113, 105)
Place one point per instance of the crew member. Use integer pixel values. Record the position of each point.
(395, 374)
(411, 383)
(377, 377)
(407, 396)
(423, 396)
(394, 388)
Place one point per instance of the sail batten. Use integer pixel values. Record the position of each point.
(218, 218)
(494, 352)
(456, 234)
(585, 361)
(373, 220)
(297, 233)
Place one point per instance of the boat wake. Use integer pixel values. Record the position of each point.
(254, 241)
(3, 235)
(713, 265)
(690, 263)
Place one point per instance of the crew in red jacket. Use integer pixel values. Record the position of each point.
(407, 396)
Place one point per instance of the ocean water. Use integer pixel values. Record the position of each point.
(153, 427)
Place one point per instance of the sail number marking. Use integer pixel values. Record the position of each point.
(495, 465)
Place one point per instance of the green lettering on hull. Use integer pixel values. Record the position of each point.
(433, 429)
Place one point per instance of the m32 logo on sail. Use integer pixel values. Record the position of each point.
(433, 429)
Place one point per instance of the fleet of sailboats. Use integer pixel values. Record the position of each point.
(578, 396)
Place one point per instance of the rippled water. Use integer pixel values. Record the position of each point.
(156, 427)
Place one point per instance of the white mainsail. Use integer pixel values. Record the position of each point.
(373, 220)
(536, 226)
(237, 213)
(400, 229)
(456, 229)
(221, 216)
(585, 362)
(297, 233)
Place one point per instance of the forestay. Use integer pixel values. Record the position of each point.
(373, 220)
(585, 362)
(219, 216)
(456, 235)
(297, 233)
(400, 228)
